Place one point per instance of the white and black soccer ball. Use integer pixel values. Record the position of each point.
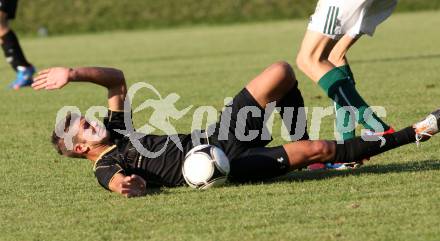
(205, 166)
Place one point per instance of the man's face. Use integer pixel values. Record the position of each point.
(91, 131)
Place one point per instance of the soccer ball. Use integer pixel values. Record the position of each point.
(205, 166)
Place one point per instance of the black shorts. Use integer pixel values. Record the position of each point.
(9, 7)
(250, 159)
(240, 126)
(242, 135)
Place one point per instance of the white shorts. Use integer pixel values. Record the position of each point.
(335, 18)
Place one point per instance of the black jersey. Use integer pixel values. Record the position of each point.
(163, 170)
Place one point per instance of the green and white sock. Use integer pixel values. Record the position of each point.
(346, 69)
(339, 86)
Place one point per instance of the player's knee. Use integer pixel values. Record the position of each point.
(336, 57)
(285, 71)
(283, 67)
(321, 149)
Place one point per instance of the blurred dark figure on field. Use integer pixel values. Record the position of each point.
(11, 47)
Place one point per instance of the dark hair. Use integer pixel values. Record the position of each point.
(58, 141)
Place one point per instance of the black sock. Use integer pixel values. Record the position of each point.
(293, 99)
(357, 149)
(13, 52)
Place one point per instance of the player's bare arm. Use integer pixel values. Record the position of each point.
(112, 79)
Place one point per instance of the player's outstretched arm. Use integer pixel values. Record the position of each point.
(112, 79)
(128, 186)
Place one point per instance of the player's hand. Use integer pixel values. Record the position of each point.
(133, 186)
(51, 79)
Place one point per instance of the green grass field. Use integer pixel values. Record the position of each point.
(396, 196)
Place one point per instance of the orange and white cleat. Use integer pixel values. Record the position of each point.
(427, 127)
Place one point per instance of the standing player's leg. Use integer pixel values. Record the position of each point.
(370, 15)
(334, 76)
(333, 20)
(263, 163)
(11, 46)
(312, 60)
(338, 58)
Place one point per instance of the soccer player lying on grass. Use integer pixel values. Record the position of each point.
(119, 167)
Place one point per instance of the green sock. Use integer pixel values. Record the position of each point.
(346, 121)
(344, 124)
(340, 88)
(367, 124)
(346, 69)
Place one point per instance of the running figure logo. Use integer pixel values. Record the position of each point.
(164, 109)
